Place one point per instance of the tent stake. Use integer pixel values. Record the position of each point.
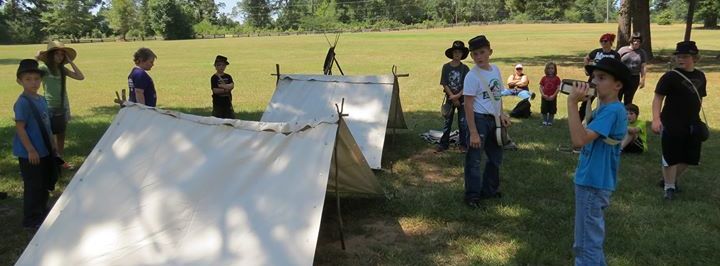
(337, 188)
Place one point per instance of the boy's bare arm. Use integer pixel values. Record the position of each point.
(470, 119)
(656, 108)
(140, 95)
(33, 155)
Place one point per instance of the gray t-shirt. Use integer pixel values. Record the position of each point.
(454, 77)
(633, 59)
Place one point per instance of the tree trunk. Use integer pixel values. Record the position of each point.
(689, 21)
(641, 24)
(711, 21)
(624, 23)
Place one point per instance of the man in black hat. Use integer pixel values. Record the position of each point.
(222, 86)
(679, 95)
(33, 146)
(596, 172)
(451, 79)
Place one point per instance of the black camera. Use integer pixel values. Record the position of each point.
(567, 86)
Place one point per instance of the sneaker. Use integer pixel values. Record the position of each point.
(549, 124)
(669, 193)
(68, 166)
(544, 123)
(510, 146)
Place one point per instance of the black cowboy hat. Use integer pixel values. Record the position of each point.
(613, 67)
(221, 58)
(686, 47)
(28, 66)
(457, 45)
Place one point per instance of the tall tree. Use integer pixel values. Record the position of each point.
(122, 16)
(709, 10)
(169, 19)
(68, 18)
(689, 19)
(256, 13)
(641, 24)
(624, 23)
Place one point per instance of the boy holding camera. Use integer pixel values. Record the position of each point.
(597, 169)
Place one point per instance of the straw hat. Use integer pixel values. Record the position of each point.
(56, 45)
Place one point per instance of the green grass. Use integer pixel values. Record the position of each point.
(424, 222)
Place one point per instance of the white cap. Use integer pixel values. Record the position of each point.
(518, 66)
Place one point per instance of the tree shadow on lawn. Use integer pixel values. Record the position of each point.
(709, 61)
(425, 221)
(10, 61)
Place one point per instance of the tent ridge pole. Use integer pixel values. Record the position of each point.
(337, 187)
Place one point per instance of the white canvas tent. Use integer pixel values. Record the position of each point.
(165, 188)
(372, 103)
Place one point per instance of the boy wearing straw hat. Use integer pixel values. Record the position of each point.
(55, 57)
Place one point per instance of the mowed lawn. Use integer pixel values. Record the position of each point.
(423, 221)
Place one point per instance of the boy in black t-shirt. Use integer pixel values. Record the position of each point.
(222, 86)
(451, 79)
(679, 115)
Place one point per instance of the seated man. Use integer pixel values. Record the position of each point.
(517, 84)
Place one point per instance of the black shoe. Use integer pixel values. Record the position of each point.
(669, 193)
(661, 184)
(532, 96)
(3, 195)
(473, 203)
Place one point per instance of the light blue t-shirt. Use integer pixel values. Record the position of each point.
(25, 114)
(599, 161)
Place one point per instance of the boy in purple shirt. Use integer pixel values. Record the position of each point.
(141, 85)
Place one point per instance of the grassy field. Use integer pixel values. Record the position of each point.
(424, 222)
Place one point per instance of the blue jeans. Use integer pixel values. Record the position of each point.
(489, 185)
(590, 225)
(462, 126)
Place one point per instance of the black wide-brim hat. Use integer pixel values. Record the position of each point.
(221, 58)
(613, 67)
(686, 47)
(457, 45)
(28, 66)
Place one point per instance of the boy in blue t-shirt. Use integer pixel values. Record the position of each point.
(597, 169)
(141, 85)
(34, 157)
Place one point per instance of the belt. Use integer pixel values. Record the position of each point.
(485, 115)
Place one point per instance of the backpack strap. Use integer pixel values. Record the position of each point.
(697, 93)
(55, 170)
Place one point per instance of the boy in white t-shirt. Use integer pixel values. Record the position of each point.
(483, 88)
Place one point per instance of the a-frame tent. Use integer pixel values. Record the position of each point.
(166, 188)
(371, 102)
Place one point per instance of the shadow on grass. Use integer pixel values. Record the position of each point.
(426, 223)
(9, 61)
(709, 61)
(540, 61)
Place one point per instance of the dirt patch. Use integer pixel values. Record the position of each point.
(428, 164)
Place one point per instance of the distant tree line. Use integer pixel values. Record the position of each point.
(33, 21)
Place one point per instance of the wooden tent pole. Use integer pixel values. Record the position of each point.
(337, 187)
